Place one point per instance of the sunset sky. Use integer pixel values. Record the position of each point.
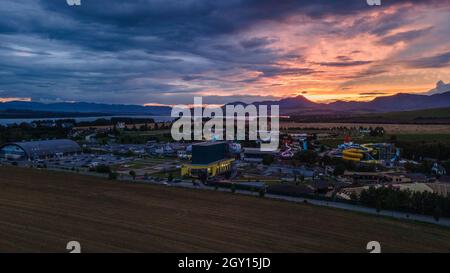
(166, 52)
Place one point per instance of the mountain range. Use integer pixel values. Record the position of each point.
(86, 107)
(400, 102)
(295, 106)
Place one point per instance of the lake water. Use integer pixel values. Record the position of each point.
(80, 119)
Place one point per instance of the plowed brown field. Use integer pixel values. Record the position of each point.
(40, 211)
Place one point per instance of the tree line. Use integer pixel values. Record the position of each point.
(385, 198)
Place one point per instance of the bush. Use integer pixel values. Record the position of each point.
(132, 174)
(103, 169)
(339, 170)
(113, 176)
(406, 201)
(415, 150)
(267, 159)
(309, 157)
(170, 177)
(437, 213)
(262, 192)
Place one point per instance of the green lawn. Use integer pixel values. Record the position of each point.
(147, 133)
(425, 113)
(427, 138)
(422, 138)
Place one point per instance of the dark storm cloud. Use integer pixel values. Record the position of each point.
(345, 63)
(258, 42)
(370, 72)
(372, 93)
(114, 47)
(274, 71)
(117, 24)
(139, 51)
(343, 58)
(436, 61)
(404, 36)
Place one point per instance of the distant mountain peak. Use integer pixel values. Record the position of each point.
(440, 84)
(297, 100)
(301, 97)
(441, 87)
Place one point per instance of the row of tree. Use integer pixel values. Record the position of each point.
(418, 150)
(26, 132)
(385, 198)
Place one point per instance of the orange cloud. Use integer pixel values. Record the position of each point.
(347, 56)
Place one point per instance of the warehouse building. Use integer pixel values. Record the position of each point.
(208, 158)
(32, 150)
(256, 155)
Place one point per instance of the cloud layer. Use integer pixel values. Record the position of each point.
(155, 51)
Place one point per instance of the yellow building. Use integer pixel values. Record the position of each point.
(208, 158)
(211, 169)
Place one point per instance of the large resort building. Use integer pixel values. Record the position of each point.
(44, 149)
(208, 158)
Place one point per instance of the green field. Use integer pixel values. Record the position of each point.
(418, 114)
(411, 138)
(423, 116)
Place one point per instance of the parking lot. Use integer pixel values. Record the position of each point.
(149, 166)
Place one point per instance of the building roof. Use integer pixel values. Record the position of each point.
(362, 173)
(444, 179)
(208, 143)
(258, 151)
(208, 152)
(290, 190)
(322, 184)
(416, 176)
(47, 147)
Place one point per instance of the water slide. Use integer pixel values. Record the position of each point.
(288, 153)
(353, 154)
(364, 154)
